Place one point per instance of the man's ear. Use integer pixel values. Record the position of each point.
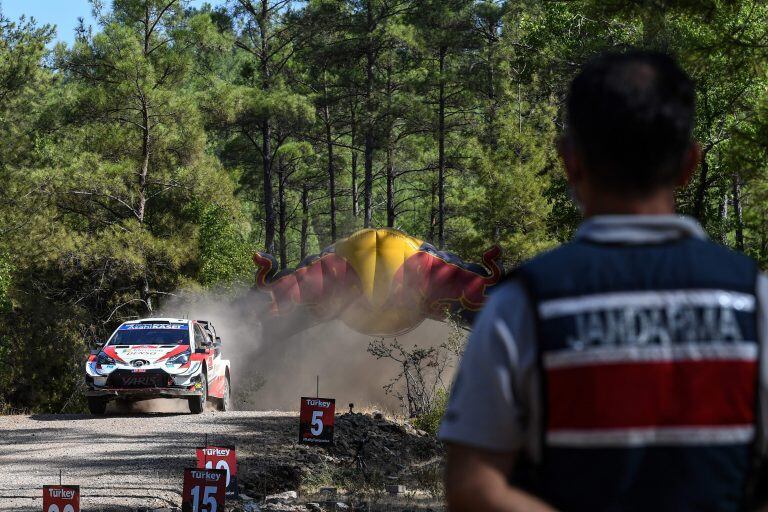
(691, 162)
(570, 158)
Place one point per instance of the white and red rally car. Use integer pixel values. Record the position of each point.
(159, 358)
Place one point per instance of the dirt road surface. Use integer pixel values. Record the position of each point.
(121, 462)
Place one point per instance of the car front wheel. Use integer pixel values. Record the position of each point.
(197, 403)
(225, 402)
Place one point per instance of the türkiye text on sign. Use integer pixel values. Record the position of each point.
(220, 457)
(204, 490)
(316, 420)
(61, 498)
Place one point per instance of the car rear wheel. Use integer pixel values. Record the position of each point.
(197, 403)
(225, 402)
(97, 405)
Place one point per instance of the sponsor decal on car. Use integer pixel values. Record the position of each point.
(136, 327)
(143, 351)
(141, 380)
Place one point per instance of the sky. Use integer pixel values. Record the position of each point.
(62, 13)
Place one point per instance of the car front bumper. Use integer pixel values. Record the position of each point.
(142, 393)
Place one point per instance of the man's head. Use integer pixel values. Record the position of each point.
(629, 140)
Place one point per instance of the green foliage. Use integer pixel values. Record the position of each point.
(169, 142)
(430, 421)
(225, 254)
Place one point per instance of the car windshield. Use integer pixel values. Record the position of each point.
(151, 334)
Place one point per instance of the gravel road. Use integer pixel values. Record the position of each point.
(121, 462)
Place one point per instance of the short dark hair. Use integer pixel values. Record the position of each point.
(631, 116)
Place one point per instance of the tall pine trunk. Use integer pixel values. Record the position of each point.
(145, 291)
(491, 77)
(331, 170)
(304, 220)
(701, 190)
(737, 211)
(269, 207)
(266, 134)
(353, 137)
(282, 222)
(391, 214)
(390, 160)
(369, 125)
(368, 181)
(723, 217)
(432, 213)
(441, 154)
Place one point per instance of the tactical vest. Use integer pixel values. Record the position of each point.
(648, 360)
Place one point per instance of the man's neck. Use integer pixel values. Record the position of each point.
(659, 203)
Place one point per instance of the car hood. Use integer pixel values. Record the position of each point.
(149, 353)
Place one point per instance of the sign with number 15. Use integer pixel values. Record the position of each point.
(204, 490)
(61, 498)
(316, 420)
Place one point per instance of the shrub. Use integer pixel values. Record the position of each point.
(430, 420)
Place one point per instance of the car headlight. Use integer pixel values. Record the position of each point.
(104, 359)
(179, 359)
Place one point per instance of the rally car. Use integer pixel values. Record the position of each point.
(159, 358)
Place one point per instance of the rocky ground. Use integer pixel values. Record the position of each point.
(135, 461)
(371, 457)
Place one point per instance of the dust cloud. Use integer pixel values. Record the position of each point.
(273, 374)
(163, 405)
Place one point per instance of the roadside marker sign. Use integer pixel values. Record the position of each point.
(316, 420)
(220, 457)
(204, 490)
(61, 498)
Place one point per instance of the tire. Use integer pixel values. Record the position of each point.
(197, 403)
(225, 402)
(97, 406)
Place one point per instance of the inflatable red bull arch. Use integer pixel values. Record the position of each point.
(380, 282)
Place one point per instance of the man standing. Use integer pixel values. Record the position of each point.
(624, 370)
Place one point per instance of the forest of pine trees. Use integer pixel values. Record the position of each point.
(167, 143)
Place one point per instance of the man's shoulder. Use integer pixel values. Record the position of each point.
(574, 249)
(711, 248)
(690, 261)
(729, 265)
(553, 258)
(510, 290)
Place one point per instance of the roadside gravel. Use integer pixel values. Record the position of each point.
(121, 462)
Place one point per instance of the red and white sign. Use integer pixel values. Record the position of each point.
(61, 498)
(204, 490)
(316, 420)
(220, 457)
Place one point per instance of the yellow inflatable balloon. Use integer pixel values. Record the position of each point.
(381, 282)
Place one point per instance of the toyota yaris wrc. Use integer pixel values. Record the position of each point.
(159, 358)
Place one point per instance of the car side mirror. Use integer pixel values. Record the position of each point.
(218, 340)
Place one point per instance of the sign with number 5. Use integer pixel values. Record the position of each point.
(220, 457)
(61, 498)
(204, 490)
(316, 420)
